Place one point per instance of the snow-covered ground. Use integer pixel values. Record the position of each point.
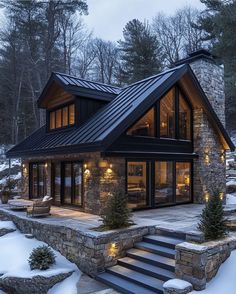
(14, 254)
(230, 198)
(224, 282)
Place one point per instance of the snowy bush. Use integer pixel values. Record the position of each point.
(41, 258)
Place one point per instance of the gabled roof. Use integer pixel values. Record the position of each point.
(112, 120)
(80, 87)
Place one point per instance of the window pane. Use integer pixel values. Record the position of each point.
(184, 119)
(137, 184)
(167, 115)
(72, 114)
(163, 182)
(67, 184)
(183, 172)
(58, 118)
(41, 180)
(145, 126)
(77, 172)
(57, 183)
(34, 179)
(52, 120)
(65, 116)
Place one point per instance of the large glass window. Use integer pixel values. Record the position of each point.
(167, 115)
(163, 182)
(137, 184)
(62, 117)
(37, 180)
(184, 119)
(57, 183)
(145, 126)
(183, 181)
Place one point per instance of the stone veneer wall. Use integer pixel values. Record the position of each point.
(91, 251)
(211, 78)
(99, 176)
(209, 168)
(198, 264)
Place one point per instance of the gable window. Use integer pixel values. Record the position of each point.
(145, 126)
(184, 119)
(62, 117)
(167, 115)
(169, 118)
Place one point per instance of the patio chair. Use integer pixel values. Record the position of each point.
(40, 207)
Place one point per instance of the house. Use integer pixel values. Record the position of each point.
(162, 138)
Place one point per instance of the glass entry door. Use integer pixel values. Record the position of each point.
(37, 180)
(72, 183)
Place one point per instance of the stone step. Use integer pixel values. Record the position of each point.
(152, 258)
(146, 268)
(140, 279)
(122, 285)
(153, 248)
(162, 241)
(172, 234)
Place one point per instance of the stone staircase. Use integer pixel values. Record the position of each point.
(146, 266)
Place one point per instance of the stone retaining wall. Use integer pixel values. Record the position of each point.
(91, 252)
(198, 264)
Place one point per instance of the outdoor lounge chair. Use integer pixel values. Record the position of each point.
(40, 207)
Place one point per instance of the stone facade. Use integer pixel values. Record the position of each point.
(211, 78)
(209, 168)
(199, 263)
(99, 176)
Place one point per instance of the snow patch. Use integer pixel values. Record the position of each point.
(231, 183)
(69, 285)
(230, 199)
(7, 225)
(224, 282)
(14, 254)
(177, 284)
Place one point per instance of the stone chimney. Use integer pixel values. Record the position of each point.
(211, 78)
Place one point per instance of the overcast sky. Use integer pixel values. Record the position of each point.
(107, 18)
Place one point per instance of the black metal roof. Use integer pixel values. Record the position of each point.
(111, 121)
(80, 87)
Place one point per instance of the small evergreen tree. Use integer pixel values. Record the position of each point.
(41, 258)
(212, 222)
(116, 213)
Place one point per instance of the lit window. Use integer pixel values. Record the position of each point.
(167, 115)
(62, 117)
(184, 119)
(145, 126)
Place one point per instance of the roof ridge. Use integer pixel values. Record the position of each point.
(155, 76)
(90, 81)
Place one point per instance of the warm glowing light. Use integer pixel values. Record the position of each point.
(87, 172)
(206, 196)
(85, 165)
(23, 165)
(111, 165)
(109, 171)
(221, 195)
(113, 249)
(46, 165)
(207, 158)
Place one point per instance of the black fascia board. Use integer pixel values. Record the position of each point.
(89, 93)
(145, 105)
(79, 148)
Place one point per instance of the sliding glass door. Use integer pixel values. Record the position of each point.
(72, 183)
(37, 179)
(154, 183)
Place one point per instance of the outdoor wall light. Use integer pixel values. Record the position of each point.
(221, 195)
(207, 158)
(23, 165)
(114, 245)
(113, 249)
(46, 165)
(206, 195)
(85, 165)
(109, 171)
(111, 166)
(222, 156)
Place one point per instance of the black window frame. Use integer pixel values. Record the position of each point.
(60, 107)
(31, 182)
(177, 90)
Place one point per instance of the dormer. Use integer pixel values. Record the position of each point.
(70, 101)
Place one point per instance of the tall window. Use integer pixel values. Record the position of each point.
(37, 180)
(137, 184)
(163, 182)
(167, 115)
(183, 179)
(184, 119)
(145, 126)
(62, 117)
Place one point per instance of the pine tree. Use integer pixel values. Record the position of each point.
(140, 52)
(116, 213)
(212, 222)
